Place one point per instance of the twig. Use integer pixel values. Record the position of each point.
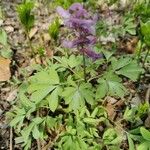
(51, 143)
(147, 96)
(11, 139)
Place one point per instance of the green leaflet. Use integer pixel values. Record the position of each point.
(145, 133)
(76, 96)
(53, 98)
(144, 146)
(131, 143)
(3, 37)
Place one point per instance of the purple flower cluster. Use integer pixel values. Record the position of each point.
(78, 19)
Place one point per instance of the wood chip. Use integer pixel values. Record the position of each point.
(4, 69)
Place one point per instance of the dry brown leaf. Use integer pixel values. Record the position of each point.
(4, 69)
(49, 53)
(111, 111)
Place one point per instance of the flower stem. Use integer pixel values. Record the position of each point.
(84, 67)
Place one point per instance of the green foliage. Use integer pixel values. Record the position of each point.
(140, 135)
(64, 3)
(54, 29)
(111, 137)
(56, 104)
(136, 113)
(129, 25)
(76, 95)
(142, 9)
(145, 31)
(111, 84)
(81, 132)
(25, 16)
(5, 51)
(128, 68)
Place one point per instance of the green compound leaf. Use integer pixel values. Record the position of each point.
(110, 84)
(76, 95)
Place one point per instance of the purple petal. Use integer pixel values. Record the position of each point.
(92, 40)
(69, 44)
(64, 13)
(77, 10)
(76, 6)
(90, 53)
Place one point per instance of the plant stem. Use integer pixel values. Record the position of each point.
(146, 56)
(84, 67)
(139, 52)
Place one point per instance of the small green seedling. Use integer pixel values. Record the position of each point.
(54, 29)
(26, 18)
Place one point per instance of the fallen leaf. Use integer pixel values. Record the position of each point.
(12, 95)
(111, 111)
(147, 122)
(33, 32)
(4, 69)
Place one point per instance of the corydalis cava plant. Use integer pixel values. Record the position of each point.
(79, 20)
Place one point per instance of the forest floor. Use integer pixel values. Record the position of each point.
(21, 62)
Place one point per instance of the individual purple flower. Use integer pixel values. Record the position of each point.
(78, 19)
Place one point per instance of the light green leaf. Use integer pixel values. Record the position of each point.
(131, 143)
(35, 132)
(102, 89)
(107, 54)
(37, 96)
(116, 88)
(3, 37)
(112, 85)
(6, 53)
(16, 120)
(27, 131)
(90, 121)
(74, 61)
(145, 133)
(37, 120)
(53, 76)
(53, 99)
(76, 96)
(118, 64)
(143, 146)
